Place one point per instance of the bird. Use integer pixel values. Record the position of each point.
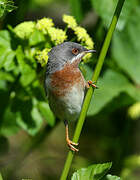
(65, 85)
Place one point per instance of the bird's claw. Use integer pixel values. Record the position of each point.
(71, 145)
(90, 83)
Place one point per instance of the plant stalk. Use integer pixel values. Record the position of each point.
(91, 90)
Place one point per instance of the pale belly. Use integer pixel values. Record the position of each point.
(68, 107)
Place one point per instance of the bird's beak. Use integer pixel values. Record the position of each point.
(90, 51)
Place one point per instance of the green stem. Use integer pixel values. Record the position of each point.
(90, 91)
(1, 177)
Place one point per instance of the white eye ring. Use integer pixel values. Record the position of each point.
(75, 51)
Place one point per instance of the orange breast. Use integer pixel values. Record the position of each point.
(62, 81)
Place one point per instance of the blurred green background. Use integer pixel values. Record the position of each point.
(32, 141)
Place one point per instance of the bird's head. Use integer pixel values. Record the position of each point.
(67, 52)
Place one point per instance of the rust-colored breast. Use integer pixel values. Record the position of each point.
(62, 81)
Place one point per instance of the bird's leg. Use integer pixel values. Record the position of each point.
(69, 142)
(90, 83)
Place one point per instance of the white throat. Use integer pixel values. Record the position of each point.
(79, 56)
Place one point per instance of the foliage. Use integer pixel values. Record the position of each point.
(93, 172)
(128, 52)
(112, 84)
(6, 5)
(105, 9)
(110, 177)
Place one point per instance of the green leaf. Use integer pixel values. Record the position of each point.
(9, 125)
(38, 90)
(2, 7)
(3, 85)
(33, 125)
(105, 9)
(93, 172)
(36, 38)
(3, 54)
(28, 73)
(9, 61)
(126, 47)
(6, 53)
(5, 39)
(6, 76)
(110, 86)
(36, 116)
(10, 6)
(110, 177)
(46, 113)
(6, 5)
(28, 116)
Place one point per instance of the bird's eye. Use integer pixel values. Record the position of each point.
(75, 51)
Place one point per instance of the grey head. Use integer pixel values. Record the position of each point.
(66, 52)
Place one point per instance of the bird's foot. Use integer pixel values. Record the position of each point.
(71, 145)
(90, 83)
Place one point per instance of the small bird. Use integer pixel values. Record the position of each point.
(65, 85)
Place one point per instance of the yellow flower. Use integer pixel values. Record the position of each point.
(70, 21)
(42, 56)
(89, 43)
(24, 30)
(87, 57)
(83, 36)
(58, 36)
(81, 33)
(134, 111)
(44, 24)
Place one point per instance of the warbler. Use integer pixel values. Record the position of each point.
(64, 83)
